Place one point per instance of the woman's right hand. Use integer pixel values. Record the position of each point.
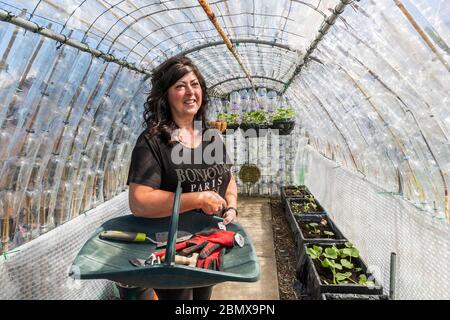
(211, 202)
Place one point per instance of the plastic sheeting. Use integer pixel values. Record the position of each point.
(373, 97)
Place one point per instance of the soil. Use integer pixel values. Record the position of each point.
(284, 253)
(296, 191)
(297, 207)
(308, 234)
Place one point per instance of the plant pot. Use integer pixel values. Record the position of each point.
(311, 274)
(233, 127)
(260, 129)
(306, 237)
(220, 125)
(294, 192)
(353, 296)
(284, 126)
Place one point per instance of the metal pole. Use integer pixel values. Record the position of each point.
(393, 272)
(326, 25)
(33, 27)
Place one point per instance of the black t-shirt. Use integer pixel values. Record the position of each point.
(156, 164)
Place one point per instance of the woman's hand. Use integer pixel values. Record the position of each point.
(229, 216)
(211, 202)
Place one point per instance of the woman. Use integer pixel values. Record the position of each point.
(178, 100)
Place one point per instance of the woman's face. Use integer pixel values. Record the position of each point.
(185, 96)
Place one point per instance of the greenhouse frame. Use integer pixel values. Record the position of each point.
(347, 101)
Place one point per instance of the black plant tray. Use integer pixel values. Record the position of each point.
(352, 296)
(233, 127)
(284, 194)
(284, 126)
(260, 129)
(308, 275)
(300, 239)
(291, 217)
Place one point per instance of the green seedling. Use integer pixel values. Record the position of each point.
(328, 259)
(363, 280)
(328, 233)
(315, 252)
(284, 113)
(230, 118)
(314, 227)
(349, 251)
(255, 117)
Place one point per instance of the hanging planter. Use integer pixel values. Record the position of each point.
(284, 126)
(249, 173)
(317, 229)
(334, 268)
(283, 120)
(257, 120)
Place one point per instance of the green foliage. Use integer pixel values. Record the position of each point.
(314, 227)
(230, 118)
(328, 258)
(255, 117)
(315, 252)
(363, 280)
(307, 206)
(328, 233)
(283, 113)
(346, 264)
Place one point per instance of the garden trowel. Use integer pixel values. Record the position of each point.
(160, 237)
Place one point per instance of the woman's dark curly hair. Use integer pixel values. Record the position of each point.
(157, 116)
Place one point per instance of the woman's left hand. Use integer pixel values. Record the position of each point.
(229, 216)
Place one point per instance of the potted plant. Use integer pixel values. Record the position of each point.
(317, 229)
(258, 120)
(283, 120)
(231, 120)
(219, 124)
(335, 268)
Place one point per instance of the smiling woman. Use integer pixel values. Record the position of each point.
(177, 100)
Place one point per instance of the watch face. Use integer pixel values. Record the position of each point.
(239, 239)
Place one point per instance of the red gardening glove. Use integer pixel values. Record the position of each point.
(214, 261)
(178, 246)
(208, 241)
(204, 242)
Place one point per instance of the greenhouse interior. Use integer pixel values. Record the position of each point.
(335, 115)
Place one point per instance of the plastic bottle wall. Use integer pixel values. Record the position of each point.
(372, 95)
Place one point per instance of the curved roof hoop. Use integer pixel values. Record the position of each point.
(142, 17)
(227, 93)
(239, 78)
(236, 41)
(161, 28)
(194, 39)
(61, 38)
(326, 25)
